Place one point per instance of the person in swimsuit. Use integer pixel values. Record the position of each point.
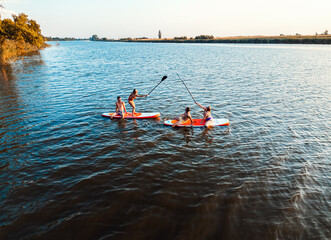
(120, 108)
(207, 118)
(132, 97)
(184, 117)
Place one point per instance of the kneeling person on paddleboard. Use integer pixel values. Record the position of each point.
(207, 118)
(184, 117)
(132, 97)
(120, 108)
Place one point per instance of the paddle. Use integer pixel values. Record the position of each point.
(164, 78)
(187, 89)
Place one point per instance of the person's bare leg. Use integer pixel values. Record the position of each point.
(176, 124)
(209, 123)
(133, 107)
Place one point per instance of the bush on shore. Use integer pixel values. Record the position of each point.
(19, 36)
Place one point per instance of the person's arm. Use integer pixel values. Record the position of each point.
(141, 95)
(204, 118)
(189, 116)
(205, 115)
(201, 106)
(124, 107)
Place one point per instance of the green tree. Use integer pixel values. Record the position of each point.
(94, 38)
(8, 29)
(204, 37)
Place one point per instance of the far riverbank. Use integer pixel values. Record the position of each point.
(283, 39)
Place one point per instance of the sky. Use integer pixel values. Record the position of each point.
(144, 18)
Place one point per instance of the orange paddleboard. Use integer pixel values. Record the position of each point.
(197, 123)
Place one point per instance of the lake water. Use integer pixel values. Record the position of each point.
(68, 173)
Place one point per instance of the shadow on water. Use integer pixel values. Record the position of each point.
(205, 134)
(122, 124)
(187, 134)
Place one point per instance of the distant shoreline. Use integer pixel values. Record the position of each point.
(283, 39)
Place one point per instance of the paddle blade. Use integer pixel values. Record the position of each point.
(164, 77)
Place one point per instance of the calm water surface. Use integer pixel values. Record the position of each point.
(68, 173)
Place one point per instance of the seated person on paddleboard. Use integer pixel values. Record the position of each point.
(132, 97)
(120, 108)
(207, 118)
(183, 118)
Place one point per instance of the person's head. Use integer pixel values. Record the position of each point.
(134, 91)
(208, 108)
(187, 109)
(118, 98)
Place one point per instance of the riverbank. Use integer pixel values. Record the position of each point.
(11, 49)
(282, 39)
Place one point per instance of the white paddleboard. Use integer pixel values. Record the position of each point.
(136, 116)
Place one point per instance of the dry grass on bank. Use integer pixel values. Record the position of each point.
(10, 49)
(276, 37)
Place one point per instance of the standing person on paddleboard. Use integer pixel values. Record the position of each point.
(207, 118)
(120, 108)
(132, 97)
(184, 117)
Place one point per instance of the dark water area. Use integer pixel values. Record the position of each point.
(68, 173)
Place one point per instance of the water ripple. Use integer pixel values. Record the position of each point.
(66, 172)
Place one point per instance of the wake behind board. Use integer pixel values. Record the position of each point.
(136, 116)
(197, 123)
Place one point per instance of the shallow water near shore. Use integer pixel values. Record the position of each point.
(68, 173)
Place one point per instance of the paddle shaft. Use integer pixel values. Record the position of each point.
(154, 88)
(187, 89)
(164, 77)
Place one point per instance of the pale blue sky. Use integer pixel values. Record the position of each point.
(144, 18)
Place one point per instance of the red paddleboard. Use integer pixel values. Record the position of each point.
(197, 123)
(136, 116)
